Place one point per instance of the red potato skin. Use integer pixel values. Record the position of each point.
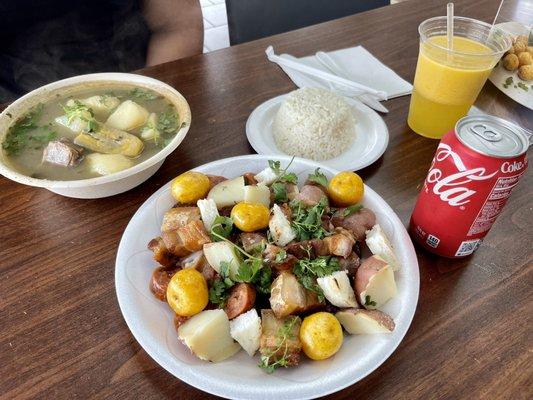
(215, 180)
(240, 300)
(366, 270)
(310, 195)
(357, 223)
(249, 179)
(159, 282)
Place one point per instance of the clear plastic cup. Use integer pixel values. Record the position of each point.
(448, 81)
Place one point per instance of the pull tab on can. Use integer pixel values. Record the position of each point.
(491, 136)
(486, 133)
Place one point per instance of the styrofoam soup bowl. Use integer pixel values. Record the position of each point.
(102, 186)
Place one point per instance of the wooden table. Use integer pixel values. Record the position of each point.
(62, 334)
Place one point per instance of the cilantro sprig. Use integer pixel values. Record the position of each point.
(278, 187)
(168, 121)
(219, 290)
(318, 177)
(78, 110)
(27, 132)
(143, 94)
(369, 301)
(307, 271)
(307, 221)
(251, 270)
(222, 227)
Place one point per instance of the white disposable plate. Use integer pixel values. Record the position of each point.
(151, 321)
(500, 74)
(371, 135)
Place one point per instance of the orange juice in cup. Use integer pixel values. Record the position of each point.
(447, 81)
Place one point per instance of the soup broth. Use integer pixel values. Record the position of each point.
(90, 133)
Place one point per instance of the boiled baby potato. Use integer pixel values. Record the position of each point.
(228, 193)
(374, 282)
(189, 187)
(250, 217)
(257, 194)
(362, 322)
(321, 335)
(346, 188)
(207, 335)
(105, 164)
(129, 115)
(218, 252)
(187, 292)
(110, 141)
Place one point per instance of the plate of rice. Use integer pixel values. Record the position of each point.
(319, 125)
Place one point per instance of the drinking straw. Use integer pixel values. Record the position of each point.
(494, 21)
(496, 16)
(449, 25)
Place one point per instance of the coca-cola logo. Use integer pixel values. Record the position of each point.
(452, 188)
(512, 166)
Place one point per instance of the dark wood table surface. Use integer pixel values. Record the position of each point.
(61, 331)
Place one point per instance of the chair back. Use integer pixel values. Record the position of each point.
(255, 19)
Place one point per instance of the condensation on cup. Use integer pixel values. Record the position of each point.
(472, 174)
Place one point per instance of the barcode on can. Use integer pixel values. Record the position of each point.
(467, 247)
(432, 241)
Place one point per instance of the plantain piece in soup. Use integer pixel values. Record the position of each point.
(108, 140)
(280, 344)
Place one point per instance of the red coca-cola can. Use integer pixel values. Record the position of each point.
(472, 174)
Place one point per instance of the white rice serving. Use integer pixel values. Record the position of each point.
(314, 123)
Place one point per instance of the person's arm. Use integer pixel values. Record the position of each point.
(177, 29)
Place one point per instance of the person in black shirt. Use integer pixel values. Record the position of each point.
(42, 41)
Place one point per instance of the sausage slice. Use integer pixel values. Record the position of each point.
(159, 282)
(240, 300)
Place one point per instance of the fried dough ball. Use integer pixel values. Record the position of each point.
(525, 58)
(520, 46)
(510, 62)
(525, 72)
(530, 50)
(510, 51)
(521, 38)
